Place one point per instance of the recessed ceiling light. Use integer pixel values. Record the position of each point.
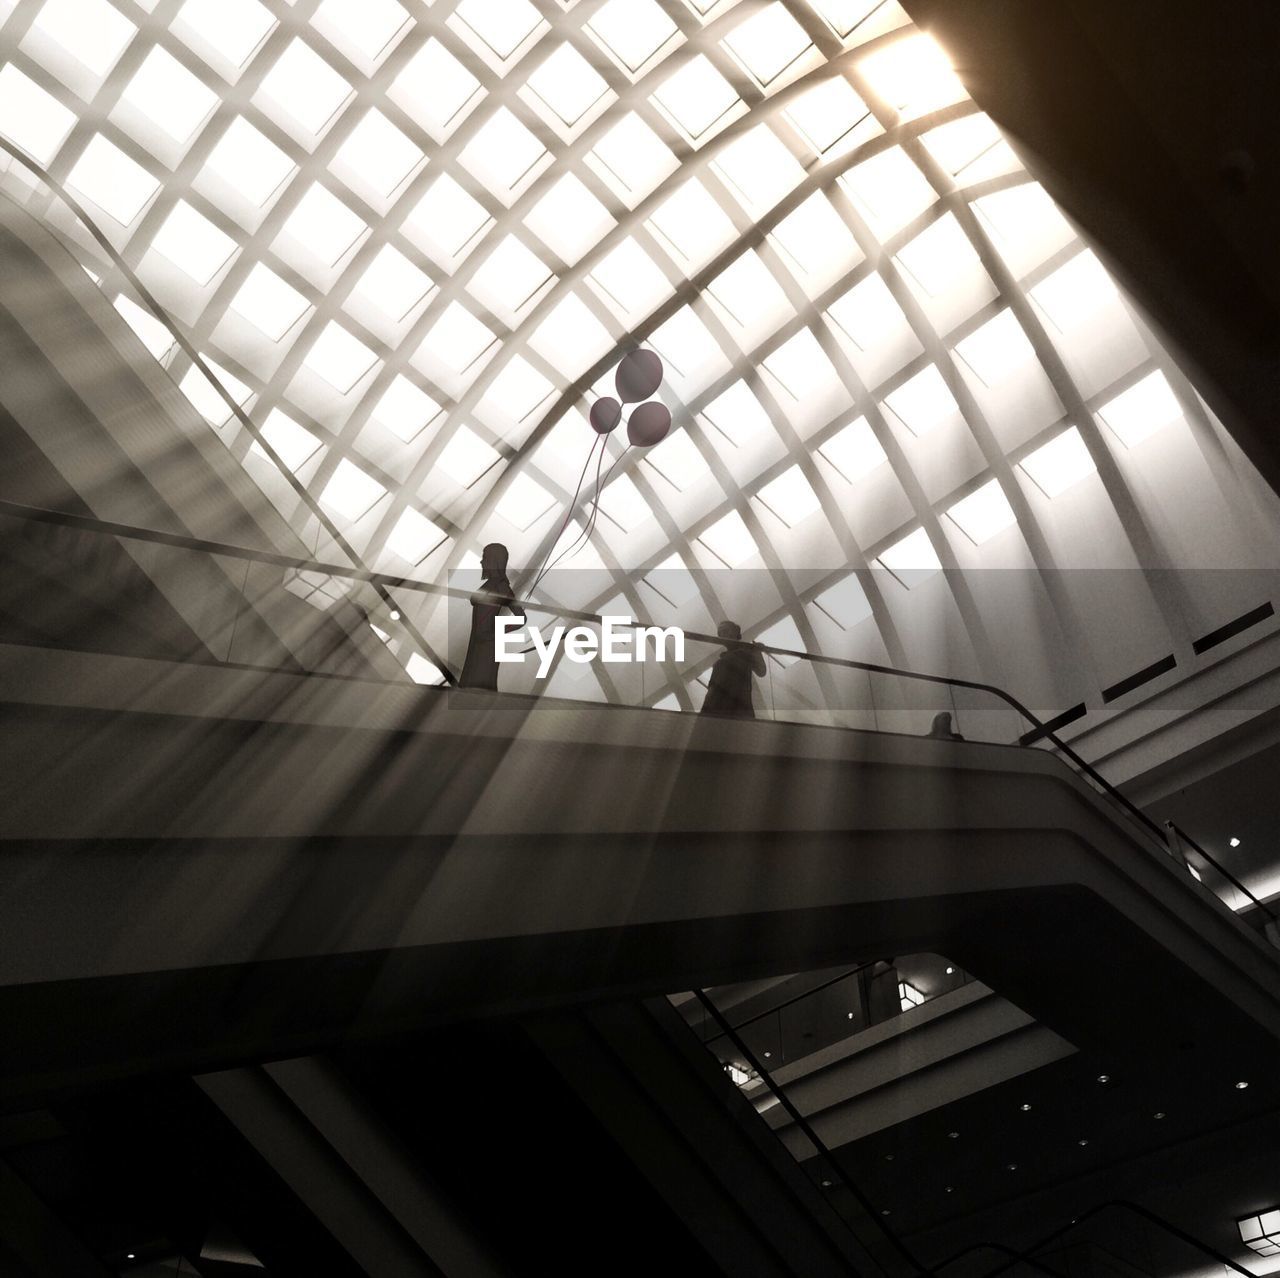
(949, 1189)
(1084, 1140)
(1104, 1078)
(888, 1158)
(950, 970)
(394, 614)
(953, 1135)
(1011, 1166)
(885, 1212)
(1233, 842)
(826, 1184)
(1025, 1107)
(1158, 1114)
(1241, 1085)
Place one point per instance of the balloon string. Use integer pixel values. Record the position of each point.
(568, 514)
(590, 523)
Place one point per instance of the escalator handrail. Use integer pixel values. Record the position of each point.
(1076, 1221)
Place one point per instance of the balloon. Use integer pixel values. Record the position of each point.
(639, 375)
(605, 414)
(649, 424)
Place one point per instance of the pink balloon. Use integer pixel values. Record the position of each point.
(605, 414)
(649, 424)
(639, 375)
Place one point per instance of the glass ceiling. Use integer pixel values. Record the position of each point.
(413, 238)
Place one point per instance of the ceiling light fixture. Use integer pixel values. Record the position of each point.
(1233, 842)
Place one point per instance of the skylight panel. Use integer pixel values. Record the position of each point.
(1023, 219)
(193, 244)
(816, 238)
(503, 154)
(685, 344)
(768, 43)
(517, 390)
(854, 450)
(1075, 293)
(997, 349)
(509, 277)
(436, 89)
(960, 144)
(790, 496)
(1142, 410)
(729, 540)
(502, 25)
(696, 98)
(448, 219)
(295, 444)
(249, 163)
(914, 76)
(571, 337)
(737, 414)
(759, 168)
(305, 88)
(802, 368)
(845, 603)
(93, 32)
(119, 186)
(268, 303)
(983, 513)
(350, 492)
(150, 331)
(632, 31)
(783, 634)
(414, 537)
(568, 219)
(339, 357)
(233, 29)
(844, 16)
(1060, 464)
(466, 457)
(420, 670)
(204, 396)
(365, 28)
(828, 115)
(749, 293)
(457, 339)
(625, 505)
(405, 410)
(324, 225)
(32, 118)
(378, 154)
(693, 224)
(169, 96)
(632, 159)
(677, 460)
(392, 284)
(672, 580)
(629, 279)
(867, 313)
(911, 558)
(524, 502)
(939, 257)
(922, 403)
(890, 190)
(567, 85)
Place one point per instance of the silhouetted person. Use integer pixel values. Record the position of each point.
(941, 729)
(729, 688)
(480, 669)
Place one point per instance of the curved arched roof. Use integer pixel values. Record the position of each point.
(914, 418)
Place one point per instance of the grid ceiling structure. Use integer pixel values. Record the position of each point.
(413, 239)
